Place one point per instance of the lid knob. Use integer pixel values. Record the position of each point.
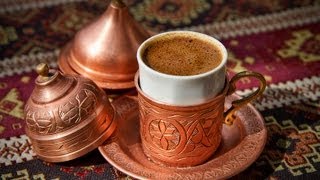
(42, 69)
(118, 3)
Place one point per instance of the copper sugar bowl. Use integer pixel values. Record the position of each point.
(105, 50)
(67, 116)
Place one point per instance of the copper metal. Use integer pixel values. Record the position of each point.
(241, 102)
(67, 116)
(241, 145)
(188, 135)
(105, 50)
(180, 135)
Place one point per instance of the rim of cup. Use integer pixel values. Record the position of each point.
(203, 37)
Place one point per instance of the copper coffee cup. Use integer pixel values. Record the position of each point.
(182, 136)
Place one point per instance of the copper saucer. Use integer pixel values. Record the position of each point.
(241, 145)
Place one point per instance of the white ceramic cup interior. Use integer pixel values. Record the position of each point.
(181, 90)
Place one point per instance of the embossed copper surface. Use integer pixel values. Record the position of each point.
(180, 135)
(67, 116)
(105, 50)
(240, 146)
(188, 135)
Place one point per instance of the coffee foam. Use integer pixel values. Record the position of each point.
(182, 55)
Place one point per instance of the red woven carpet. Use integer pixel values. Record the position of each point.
(280, 39)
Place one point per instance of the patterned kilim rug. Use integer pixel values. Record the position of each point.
(279, 38)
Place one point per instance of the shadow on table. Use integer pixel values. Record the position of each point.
(92, 158)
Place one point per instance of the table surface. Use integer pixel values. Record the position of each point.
(280, 39)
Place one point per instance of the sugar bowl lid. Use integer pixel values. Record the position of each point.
(105, 49)
(67, 116)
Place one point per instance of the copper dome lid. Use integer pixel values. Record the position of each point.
(67, 116)
(105, 50)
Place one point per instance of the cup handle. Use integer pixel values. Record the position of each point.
(229, 114)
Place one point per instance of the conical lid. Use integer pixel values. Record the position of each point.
(105, 50)
(67, 116)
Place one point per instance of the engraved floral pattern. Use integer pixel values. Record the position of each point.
(180, 135)
(203, 133)
(42, 121)
(164, 134)
(78, 108)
